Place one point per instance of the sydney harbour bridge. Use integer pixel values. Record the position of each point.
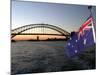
(40, 29)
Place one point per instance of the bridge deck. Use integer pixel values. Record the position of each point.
(37, 34)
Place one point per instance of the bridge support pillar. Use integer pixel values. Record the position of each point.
(37, 37)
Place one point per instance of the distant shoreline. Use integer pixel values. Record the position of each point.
(36, 40)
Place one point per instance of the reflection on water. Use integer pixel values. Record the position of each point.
(36, 57)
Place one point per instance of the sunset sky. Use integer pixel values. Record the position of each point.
(68, 17)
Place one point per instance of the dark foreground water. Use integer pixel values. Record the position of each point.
(48, 56)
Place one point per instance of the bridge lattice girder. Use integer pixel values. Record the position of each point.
(19, 30)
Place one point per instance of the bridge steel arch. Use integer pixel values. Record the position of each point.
(19, 30)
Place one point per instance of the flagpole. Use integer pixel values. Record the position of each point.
(90, 7)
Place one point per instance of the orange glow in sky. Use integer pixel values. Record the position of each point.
(34, 37)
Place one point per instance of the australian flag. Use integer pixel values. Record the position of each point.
(81, 39)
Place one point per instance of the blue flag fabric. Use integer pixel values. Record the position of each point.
(72, 45)
(76, 44)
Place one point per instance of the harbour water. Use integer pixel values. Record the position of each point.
(41, 56)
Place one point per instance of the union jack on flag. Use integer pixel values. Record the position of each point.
(85, 26)
(82, 39)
